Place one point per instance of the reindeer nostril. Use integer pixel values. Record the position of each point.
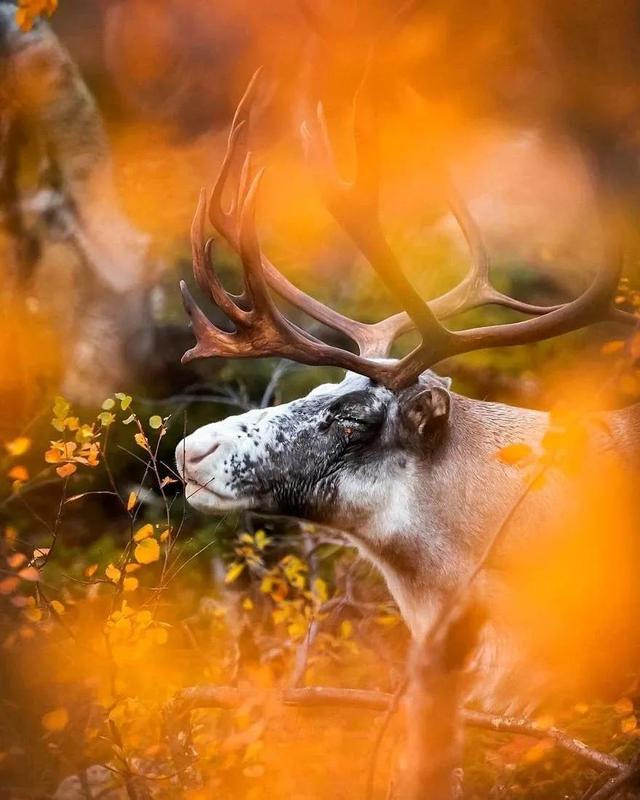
(196, 459)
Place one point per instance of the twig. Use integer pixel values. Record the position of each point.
(626, 777)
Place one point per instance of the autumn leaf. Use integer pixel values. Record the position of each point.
(143, 533)
(234, 572)
(147, 551)
(160, 635)
(629, 724)
(29, 574)
(18, 473)
(91, 570)
(18, 446)
(155, 422)
(624, 706)
(131, 500)
(609, 348)
(32, 613)
(142, 441)
(125, 400)
(112, 573)
(130, 584)
(9, 584)
(65, 470)
(55, 720)
(57, 606)
(16, 560)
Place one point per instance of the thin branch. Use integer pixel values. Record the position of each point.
(227, 697)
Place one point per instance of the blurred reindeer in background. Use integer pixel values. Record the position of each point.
(69, 245)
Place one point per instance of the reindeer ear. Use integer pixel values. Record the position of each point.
(428, 409)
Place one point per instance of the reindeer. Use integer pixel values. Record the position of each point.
(391, 455)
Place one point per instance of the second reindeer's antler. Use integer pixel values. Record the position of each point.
(262, 330)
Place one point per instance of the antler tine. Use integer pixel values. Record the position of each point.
(475, 289)
(354, 206)
(203, 270)
(250, 253)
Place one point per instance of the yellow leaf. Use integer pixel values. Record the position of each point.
(112, 573)
(130, 584)
(629, 724)
(91, 570)
(32, 613)
(160, 635)
(234, 572)
(108, 404)
(56, 720)
(155, 422)
(261, 539)
(320, 590)
(125, 400)
(18, 446)
(65, 470)
(57, 606)
(247, 604)
(624, 707)
(147, 551)
(131, 500)
(165, 535)
(141, 441)
(612, 347)
(143, 533)
(539, 751)
(346, 629)
(543, 722)
(515, 453)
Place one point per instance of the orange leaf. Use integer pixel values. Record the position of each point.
(131, 500)
(112, 573)
(56, 720)
(16, 560)
(143, 533)
(9, 584)
(29, 574)
(147, 551)
(18, 473)
(65, 470)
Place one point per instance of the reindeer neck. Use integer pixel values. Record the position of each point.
(437, 519)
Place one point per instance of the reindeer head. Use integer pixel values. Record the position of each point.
(335, 453)
(330, 456)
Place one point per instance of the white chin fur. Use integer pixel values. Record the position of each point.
(208, 502)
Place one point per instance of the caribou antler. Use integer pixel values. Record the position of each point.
(262, 330)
